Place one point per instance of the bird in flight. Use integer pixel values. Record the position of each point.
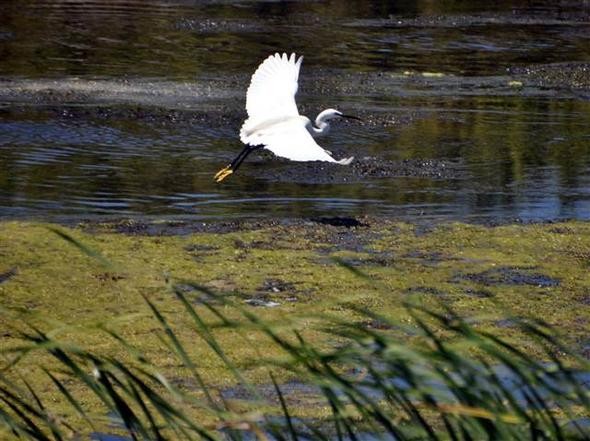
(273, 120)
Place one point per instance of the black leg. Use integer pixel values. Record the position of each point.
(243, 155)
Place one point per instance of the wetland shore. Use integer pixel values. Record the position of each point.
(287, 272)
(536, 270)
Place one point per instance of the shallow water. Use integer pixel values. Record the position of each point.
(128, 108)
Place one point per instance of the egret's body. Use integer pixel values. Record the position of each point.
(273, 120)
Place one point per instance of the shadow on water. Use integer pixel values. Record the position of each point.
(129, 108)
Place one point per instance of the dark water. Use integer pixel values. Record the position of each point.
(129, 107)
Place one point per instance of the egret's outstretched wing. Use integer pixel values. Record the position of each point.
(273, 87)
(290, 139)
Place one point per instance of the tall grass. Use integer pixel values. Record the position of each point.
(453, 381)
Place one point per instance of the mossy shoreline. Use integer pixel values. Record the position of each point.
(288, 273)
(534, 270)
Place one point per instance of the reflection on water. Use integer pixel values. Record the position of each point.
(126, 107)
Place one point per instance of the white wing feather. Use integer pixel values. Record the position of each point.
(272, 90)
(290, 139)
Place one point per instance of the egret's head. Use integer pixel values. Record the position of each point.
(329, 114)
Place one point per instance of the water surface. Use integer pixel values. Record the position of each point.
(128, 108)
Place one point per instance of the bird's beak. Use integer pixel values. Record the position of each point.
(223, 173)
(350, 117)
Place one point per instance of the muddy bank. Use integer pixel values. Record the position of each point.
(345, 230)
(227, 93)
(220, 115)
(557, 76)
(148, 92)
(563, 17)
(60, 105)
(360, 170)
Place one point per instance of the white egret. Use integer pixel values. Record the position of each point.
(273, 120)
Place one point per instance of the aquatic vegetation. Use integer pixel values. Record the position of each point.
(197, 362)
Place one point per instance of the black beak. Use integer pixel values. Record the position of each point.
(350, 117)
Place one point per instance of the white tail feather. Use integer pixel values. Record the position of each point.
(345, 161)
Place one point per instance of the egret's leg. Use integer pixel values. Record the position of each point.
(233, 166)
(249, 149)
(229, 169)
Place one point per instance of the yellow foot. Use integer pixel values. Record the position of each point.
(222, 174)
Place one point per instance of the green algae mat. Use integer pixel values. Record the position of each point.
(290, 270)
(75, 283)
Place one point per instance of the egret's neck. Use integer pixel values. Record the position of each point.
(321, 129)
(321, 125)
